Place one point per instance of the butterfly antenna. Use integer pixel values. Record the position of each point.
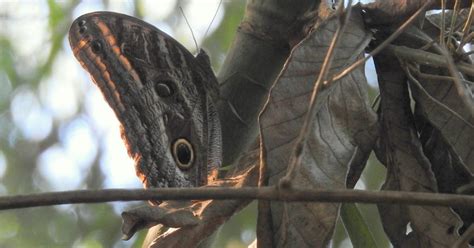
(214, 17)
(192, 33)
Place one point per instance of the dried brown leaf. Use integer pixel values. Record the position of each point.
(146, 216)
(449, 107)
(407, 167)
(344, 121)
(450, 174)
(445, 99)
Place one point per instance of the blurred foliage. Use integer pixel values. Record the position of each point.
(24, 76)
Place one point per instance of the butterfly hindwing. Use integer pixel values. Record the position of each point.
(162, 95)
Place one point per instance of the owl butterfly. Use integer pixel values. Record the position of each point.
(162, 95)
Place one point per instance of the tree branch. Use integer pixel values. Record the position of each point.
(226, 193)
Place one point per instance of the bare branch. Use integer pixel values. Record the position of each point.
(244, 193)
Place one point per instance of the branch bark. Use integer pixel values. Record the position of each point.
(226, 193)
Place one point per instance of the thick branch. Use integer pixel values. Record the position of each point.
(225, 193)
(253, 62)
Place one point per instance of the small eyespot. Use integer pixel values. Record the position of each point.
(81, 23)
(183, 153)
(163, 89)
(96, 47)
(82, 29)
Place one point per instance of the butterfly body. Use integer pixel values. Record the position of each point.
(162, 95)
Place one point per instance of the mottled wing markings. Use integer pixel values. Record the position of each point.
(145, 47)
(84, 44)
(110, 39)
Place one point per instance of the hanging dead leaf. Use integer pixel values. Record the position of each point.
(344, 121)
(407, 167)
(449, 107)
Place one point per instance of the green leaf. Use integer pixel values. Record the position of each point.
(358, 231)
(56, 13)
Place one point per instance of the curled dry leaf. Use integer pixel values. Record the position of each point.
(407, 167)
(146, 216)
(195, 220)
(344, 121)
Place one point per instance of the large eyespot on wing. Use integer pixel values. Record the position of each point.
(183, 153)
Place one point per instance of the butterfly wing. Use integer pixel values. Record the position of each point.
(162, 95)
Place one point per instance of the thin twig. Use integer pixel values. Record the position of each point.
(466, 29)
(432, 99)
(454, 16)
(438, 77)
(385, 43)
(458, 84)
(469, 38)
(447, 60)
(427, 58)
(297, 153)
(442, 29)
(245, 193)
